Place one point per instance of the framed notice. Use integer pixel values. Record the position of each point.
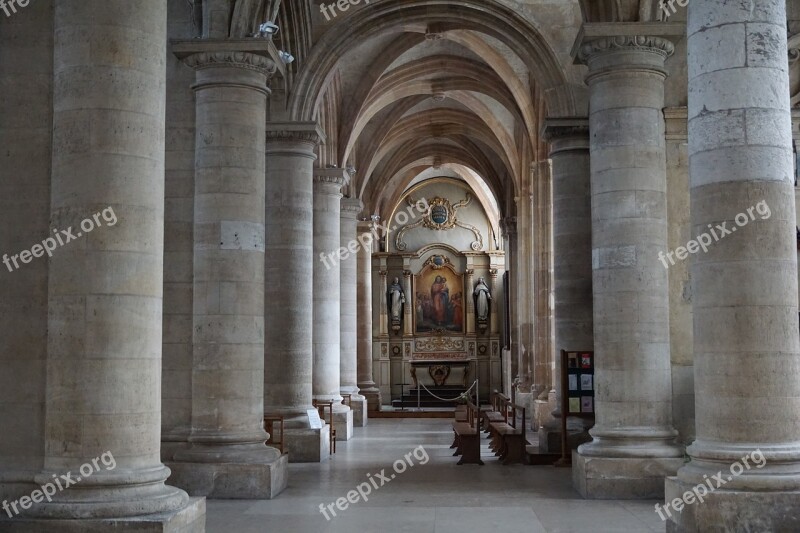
(577, 392)
(573, 382)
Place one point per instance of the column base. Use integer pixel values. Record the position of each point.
(727, 510)
(550, 437)
(622, 478)
(308, 445)
(343, 422)
(542, 414)
(190, 518)
(359, 407)
(232, 481)
(373, 399)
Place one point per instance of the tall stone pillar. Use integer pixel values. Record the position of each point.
(408, 307)
(746, 347)
(383, 313)
(509, 227)
(572, 248)
(105, 289)
(288, 288)
(496, 304)
(227, 457)
(524, 251)
(327, 348)
(366, 382)
(470, 301)
(348, 306)
(543, 358)
(633, 435)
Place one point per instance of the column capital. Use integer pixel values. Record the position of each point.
(309, 132)
(625, 43)
(566, 133)
(298, 139)
(250, 54)
(508, 226)
(676, 120)
(351, 207)
(598, 37)
(330, 180)
(232, 59)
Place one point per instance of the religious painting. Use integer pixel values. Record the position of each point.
(439, 305)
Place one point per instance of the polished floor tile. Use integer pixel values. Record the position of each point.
(435, 497)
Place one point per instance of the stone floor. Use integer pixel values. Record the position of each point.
(437, 497)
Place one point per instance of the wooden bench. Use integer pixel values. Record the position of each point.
(269, 426)
(507, 436)
(321, 406)
(467, 437)
(498, 412)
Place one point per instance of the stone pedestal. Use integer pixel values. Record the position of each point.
(343, 422)
(307, 445)
(729, 510)
(621, 478)
(105, 291)
(225, 481)
(191, 518)
(227, 457)
(360, 411)
(633, 431)
(746, 344)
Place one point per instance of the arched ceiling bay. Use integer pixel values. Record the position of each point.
(402, 85)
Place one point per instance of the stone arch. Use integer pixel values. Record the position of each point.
(500, 22)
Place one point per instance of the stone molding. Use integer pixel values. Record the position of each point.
(617, 43)
(556, 129)
(297, 131)
(352, 207)
(243, 60)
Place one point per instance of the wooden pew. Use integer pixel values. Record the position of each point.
(508, 435)
(499, 402)
(467, 439)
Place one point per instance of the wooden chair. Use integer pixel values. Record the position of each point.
(321, 406)
(269, 426)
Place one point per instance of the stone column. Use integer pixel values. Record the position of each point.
(542, 312)
(572, 247)
(348, 306)
(366, 382)
(227, 457)
(408, 307)
(469, 301)
(288, 288)
(383, 313)
(103, 404)
(327, 348)
(746, 347)
(496, 305)
(510, 234)
(633, 434)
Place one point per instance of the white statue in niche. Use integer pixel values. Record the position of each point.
(397, 297)
(482, 296)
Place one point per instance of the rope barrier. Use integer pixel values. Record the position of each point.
(457, 398)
